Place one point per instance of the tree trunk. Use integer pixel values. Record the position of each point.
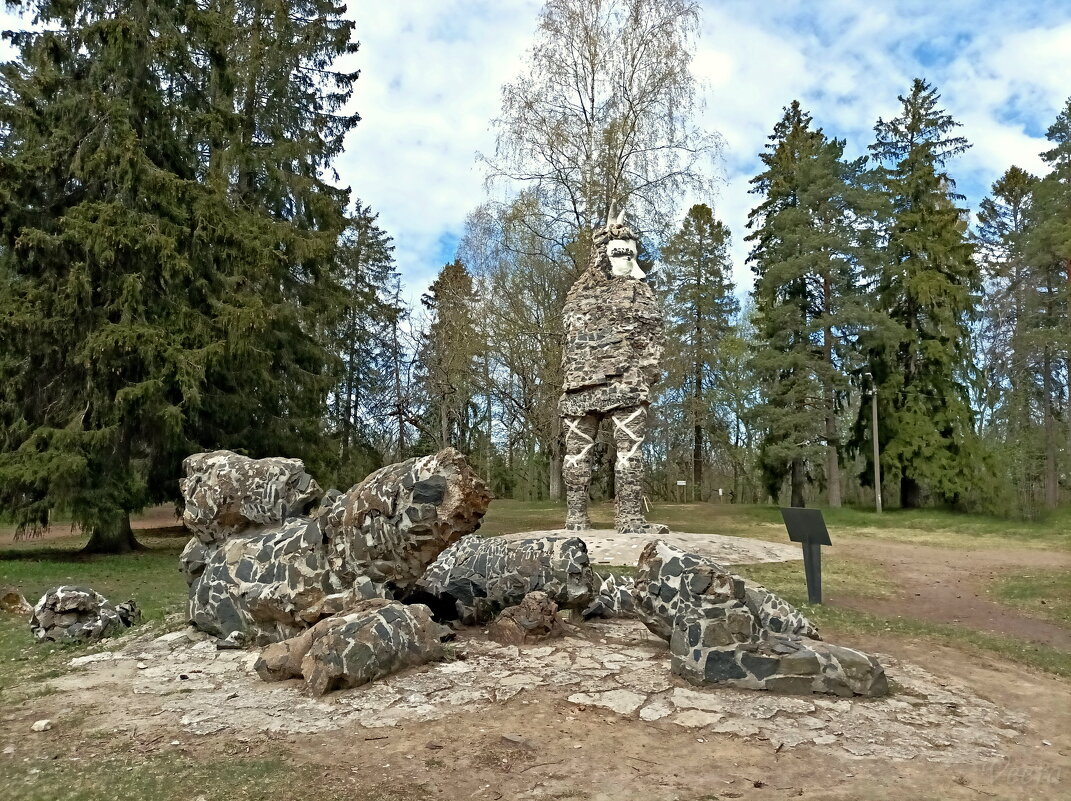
(444, 425)
(910, 493)
(798, 482)
(116, 536)
(555, 489)
(832, 437)
(1052, 486)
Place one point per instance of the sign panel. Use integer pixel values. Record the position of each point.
(805, 525)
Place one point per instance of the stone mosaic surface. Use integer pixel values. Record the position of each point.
(481, 576)
(80, 614)
(225, 493)
(368, 642)
(723, 629)
(616, 597)
(617, 667)
(267, 583)
(614, 342)
(663, 592)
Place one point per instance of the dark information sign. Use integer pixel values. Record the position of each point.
(807, 527)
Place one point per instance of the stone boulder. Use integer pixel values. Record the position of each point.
(535, 618)
(394, 524)
(266, 582)
(725, 630)
(662, 585)
(13, 603)
(481, 576)
(371, 640)
(79, 614)
(226, 494)
(719, 639)
(616, 598)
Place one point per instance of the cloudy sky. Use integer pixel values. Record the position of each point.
(432, 71)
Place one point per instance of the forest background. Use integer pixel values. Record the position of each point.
(180, 270)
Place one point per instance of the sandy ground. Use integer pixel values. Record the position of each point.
(607, 547)
(946, 585)
(593, 716)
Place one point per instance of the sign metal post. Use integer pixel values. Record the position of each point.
(807, 527)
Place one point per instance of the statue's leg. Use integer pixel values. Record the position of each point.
(576, 467)
(630, 427)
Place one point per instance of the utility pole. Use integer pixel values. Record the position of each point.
(874, 438)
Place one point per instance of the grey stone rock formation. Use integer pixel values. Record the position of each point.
(614, 342)
(663, 591)
(723, 629)
(80, 614)
(532, 620)
(226, 494)
(616, 598)
(482, 576)
(369, 641)
(256, 577)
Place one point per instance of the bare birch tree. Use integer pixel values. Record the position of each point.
(603, 113)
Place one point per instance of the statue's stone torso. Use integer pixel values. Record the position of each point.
(614, 342)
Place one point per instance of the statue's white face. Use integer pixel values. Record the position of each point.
(623, 264)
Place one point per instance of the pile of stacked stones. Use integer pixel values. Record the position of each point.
(338, 585)
(481, 577)
(272, 556)
(721, 628)
(79, 614)
(725, 630)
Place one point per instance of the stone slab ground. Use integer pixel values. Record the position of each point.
(607, 547)
(594, 715)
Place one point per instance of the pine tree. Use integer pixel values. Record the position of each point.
(700, 307)
(809, 234)
(169, 266)
(449, 349)
(926, 289)
(362, 403)
(1047, 249)
(1010, 392)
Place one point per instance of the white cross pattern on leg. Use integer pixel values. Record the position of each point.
(637, 441)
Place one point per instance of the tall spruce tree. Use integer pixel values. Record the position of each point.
(700, 307)
(169, 252)
(448, 353)
(1010, 396)
(926, 289)
(362, 404)
(1047, 249)
(810, 242)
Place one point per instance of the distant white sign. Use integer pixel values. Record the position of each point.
(682, 483)
(720, 493)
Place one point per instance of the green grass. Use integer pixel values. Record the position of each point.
(1042, 593)
(786, 579)
(919, 526)
(179, 777)
(151, 577)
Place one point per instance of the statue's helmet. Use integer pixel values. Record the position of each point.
(616, 249)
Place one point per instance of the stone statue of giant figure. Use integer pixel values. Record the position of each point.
(614, 341)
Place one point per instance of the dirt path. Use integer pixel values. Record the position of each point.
(156, 520)
(944, 585)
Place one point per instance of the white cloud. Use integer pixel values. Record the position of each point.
(432, 70)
